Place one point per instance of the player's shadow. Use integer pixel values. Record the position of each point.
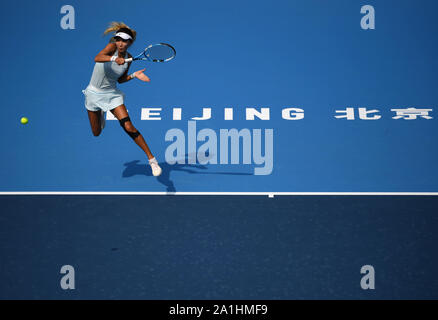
(134, 168)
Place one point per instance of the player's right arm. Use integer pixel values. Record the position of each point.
(106, 54)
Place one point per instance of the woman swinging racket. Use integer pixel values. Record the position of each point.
(102, 94)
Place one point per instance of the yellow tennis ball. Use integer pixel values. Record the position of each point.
(24, 120)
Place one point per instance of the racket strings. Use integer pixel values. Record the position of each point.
(160, 53)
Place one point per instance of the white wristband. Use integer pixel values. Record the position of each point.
(113, 58)
(133, 75)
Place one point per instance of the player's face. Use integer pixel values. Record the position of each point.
(122, 44)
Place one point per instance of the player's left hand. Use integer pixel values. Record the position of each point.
(141, 76)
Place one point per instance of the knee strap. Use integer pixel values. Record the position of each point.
(133, 135)
(123, 121)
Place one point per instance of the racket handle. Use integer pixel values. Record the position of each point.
(128, 60)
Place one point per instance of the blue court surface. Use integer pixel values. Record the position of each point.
(327, 106)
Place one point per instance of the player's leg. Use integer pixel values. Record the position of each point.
(94, 117)
(122, 115)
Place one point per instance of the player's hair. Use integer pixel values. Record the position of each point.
(114, 27)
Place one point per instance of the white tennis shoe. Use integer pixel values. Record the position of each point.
(156, 170)
(102, 119)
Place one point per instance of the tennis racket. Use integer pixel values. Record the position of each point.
(160, 52)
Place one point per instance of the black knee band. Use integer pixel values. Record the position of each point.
(122, 121)
(133, 135)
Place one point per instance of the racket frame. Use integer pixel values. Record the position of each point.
(143, 56)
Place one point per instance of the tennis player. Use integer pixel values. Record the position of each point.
(102, 94)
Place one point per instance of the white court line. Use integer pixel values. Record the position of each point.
(269, 194)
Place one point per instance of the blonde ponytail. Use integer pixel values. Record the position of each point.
(115, 26)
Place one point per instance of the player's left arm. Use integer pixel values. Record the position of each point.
(138, 74)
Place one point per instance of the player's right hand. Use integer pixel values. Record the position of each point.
(120, 61)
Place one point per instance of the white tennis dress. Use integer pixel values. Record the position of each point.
(102, 92)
